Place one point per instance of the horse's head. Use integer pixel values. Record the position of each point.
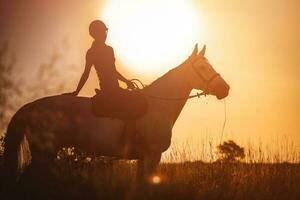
(202, 75)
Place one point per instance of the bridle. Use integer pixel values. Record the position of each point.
(205, 80)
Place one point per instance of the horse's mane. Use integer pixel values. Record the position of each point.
(161, 77)
(171, 71)
(164, 75)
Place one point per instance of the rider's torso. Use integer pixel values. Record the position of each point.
(102, 57)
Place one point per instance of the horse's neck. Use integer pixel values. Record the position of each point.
(172, 85)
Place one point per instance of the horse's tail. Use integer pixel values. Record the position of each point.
(16, 149)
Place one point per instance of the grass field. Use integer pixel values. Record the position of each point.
(96, 178)
(189, 180)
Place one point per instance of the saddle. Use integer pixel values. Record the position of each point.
(127, 105)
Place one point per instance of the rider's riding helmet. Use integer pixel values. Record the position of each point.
(97, 28)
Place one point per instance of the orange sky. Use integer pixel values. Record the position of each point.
(253, 44)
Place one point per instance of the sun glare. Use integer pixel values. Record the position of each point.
(151, 35)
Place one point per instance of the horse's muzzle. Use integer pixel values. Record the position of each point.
(222, 91)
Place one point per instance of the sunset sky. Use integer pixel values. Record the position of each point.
(254, 45)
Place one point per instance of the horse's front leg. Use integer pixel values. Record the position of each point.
(147, 166)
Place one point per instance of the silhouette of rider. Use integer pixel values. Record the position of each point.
(101, 56)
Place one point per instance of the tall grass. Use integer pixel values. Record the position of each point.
(277, 151)
(188, 171)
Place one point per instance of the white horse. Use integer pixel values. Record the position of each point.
(39, 129)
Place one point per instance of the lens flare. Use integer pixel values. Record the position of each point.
(156, 180)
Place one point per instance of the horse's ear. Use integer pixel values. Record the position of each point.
(202, 52)
(195, 51)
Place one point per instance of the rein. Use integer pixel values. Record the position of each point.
(166, 98)
(179, 98)
(204, 93)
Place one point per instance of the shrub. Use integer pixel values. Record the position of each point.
(229, 151)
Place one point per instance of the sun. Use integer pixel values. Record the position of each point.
(149, 36)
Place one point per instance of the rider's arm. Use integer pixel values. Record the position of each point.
(120, 76)
(129, 84)
(84, 76)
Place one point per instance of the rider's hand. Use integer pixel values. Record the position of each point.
(75, 93)
(130, 85)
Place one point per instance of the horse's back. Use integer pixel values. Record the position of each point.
(68, 121)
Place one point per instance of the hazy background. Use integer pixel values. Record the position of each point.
(254, 44)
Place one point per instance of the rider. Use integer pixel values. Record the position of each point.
(101, 56)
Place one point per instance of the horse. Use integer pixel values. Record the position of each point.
(39, 129)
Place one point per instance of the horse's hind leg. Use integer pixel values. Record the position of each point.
(38, 178)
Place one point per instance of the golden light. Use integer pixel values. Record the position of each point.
(151, 35)
(156, 180)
